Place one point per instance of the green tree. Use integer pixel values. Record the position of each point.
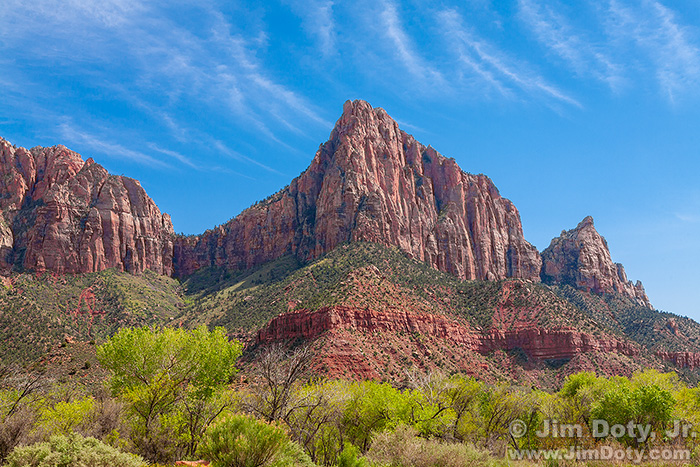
(499, 407)
(463, 394)
(373, 407)
(166, 376)
(616, 404)
(64, 417)
(316, 422)
(431, 400)
(640, 401)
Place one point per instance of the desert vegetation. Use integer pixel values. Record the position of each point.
(175, 394)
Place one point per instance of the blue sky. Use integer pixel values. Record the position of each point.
(572, 108)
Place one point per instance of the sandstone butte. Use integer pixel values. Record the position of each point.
(370, 181)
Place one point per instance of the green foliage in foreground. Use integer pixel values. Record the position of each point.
(72, 450)
(241, 441)
(171, 399)
(171, 381)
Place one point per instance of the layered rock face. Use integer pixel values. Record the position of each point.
(373, 182)
(581, 258)
(681, 359)
(66, 215)
(539, 344)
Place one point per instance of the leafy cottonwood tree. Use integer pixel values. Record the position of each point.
(640, 401)
(166, 377)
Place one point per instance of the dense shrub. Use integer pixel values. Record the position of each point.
(403, 448)
(73, 450)
(241, 441)
(65, 417)
(350, 457)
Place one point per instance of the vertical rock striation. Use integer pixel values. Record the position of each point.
(65, 215)
(580, 257)
(373, 182)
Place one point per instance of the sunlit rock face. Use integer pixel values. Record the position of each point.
(580, 257)
(66, 215)
(373, 182)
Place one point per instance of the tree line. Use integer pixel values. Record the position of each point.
(173, 394)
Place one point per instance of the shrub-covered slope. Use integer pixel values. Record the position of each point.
(38, 312)
(370, 311)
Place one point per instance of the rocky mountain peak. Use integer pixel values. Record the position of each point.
(369, 182)
(586, 222)
(373, 182)
(581, 258)
(359, 115)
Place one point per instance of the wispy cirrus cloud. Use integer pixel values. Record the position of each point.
(224, 149)
(107, 12)
(318, 22)
(495, 67)
(75, 135)
(162, 61)
(404, 49)
(687, 218)
(174, 155)
(656, 32)
(554, 31)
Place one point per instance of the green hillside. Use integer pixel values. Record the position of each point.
(39, 312)
(246, 301)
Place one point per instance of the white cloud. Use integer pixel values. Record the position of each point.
(412, 61)
(164, 62)
(72, 134)
(494, 66)
(317, 20)
(656, 32)
(555, 32)
(688, 218)
(221, 147)
(175, 155)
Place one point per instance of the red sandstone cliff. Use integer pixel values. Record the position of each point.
(581, 258)
(371, 181)
(65, 215)
(681, 359)
(539, 344)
